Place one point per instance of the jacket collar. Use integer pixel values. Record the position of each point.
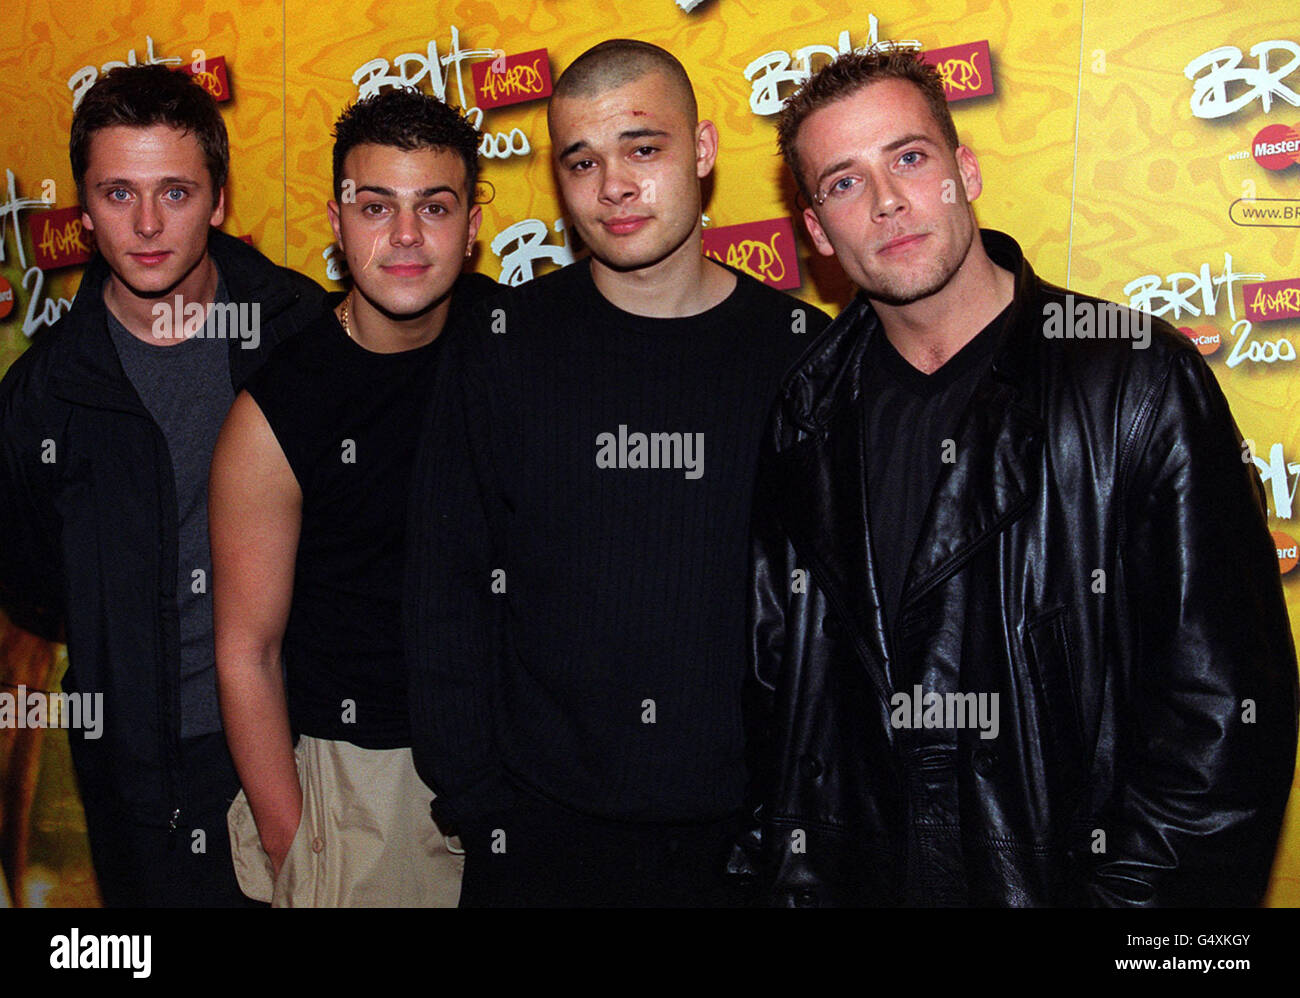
(818, 448)
(93, 374)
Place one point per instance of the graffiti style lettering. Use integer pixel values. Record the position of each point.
(1277, 472)
(41, 313)
(516, 80)
(961, 74)
(756, 258)
(84, 78)
(772, 71)
(524, 244)
(410, 69)
(1148, 294)
(66, 240)
(1257, 351)
(1223, 66)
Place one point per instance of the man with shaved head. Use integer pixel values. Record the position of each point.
(575, 597)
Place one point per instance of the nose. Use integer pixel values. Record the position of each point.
(887, 197)
(617, 184)
(406, 229)
(148, 218)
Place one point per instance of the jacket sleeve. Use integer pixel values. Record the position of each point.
(30, 573)
(1207, 739)
(450, 616)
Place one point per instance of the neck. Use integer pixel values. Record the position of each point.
(139, 315)
(380, 332)
(683, 283)
(929, 332)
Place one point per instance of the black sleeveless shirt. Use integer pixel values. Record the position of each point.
(348, 421)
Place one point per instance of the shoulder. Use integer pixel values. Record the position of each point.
(1108, 346)
(47, 354)
(251, 276)
(298, 361)
(778, 308)
(471, 288)
(554, 289)
(488, 310)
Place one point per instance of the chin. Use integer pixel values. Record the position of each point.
(147, 285)
(404, 308)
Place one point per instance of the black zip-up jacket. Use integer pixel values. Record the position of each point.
(89, 523)
(1098, 557)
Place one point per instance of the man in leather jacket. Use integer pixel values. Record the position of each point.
(1018, 628)
(107, 424)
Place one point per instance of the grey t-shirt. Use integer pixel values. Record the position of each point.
(186, 388)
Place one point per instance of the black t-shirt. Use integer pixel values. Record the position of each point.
(911, 423)
(622, 452)
(348, 420)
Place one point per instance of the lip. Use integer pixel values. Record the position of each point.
(151, 258)
(901, 244)
(625, 224)
(406, 269)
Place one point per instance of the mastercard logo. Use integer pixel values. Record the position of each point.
(1287, 555)
(1276, 147)
(1207, 339)
(6, 297)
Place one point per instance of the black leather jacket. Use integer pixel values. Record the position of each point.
(1098, 557)
(89, 524)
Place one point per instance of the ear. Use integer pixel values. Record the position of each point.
(219, 209)
(969, 168)
(818, 234)
(87, 222)
(332, 210)
(706, 148)
(475, 220)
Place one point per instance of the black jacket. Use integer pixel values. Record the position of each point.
(1098, 557)
(89, 523)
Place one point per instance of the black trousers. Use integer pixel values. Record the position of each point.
(149, 866)
(543, 855)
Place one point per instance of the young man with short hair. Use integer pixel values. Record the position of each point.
(576, 611)
(309, 495)
(1042, 657)
(107, 425)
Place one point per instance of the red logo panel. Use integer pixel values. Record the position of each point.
(512, 79)
(58, 238)
(213, 79)
(966, 70)
(1272, 300)
(765, 250)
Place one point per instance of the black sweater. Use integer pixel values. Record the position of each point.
(579, 550)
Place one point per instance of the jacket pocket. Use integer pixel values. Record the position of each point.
(1054, 674)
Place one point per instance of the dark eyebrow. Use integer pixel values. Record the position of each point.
(426, 192)
(634, 133)
(126, 182)
(429, 192)
(642, 133)
(908, 139)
